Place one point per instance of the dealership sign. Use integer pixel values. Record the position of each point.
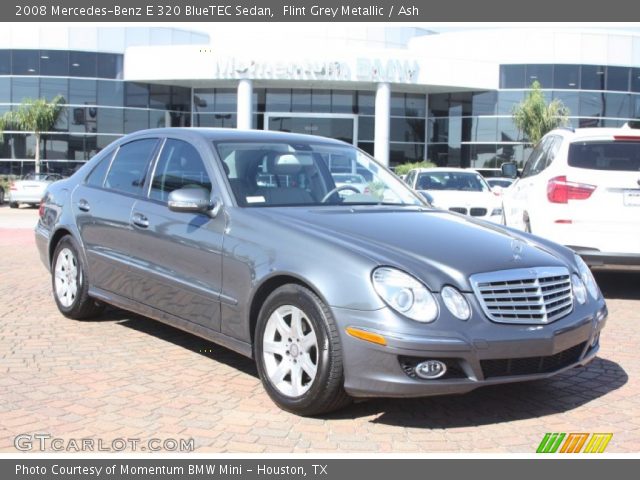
(359, 69)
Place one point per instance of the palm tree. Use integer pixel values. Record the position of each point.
(35, 116)
(534, 117)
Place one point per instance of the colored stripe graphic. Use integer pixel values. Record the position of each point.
(574, 443)
(550, 442)
(598, 442)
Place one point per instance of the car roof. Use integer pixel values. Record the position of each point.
(595, 132)
(232, 134)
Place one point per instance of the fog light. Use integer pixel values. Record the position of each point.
(431, 369)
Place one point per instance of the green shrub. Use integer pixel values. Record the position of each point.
(404, 168)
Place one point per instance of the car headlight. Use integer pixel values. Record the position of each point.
(587, 278)
(579, 290)
(496, 211)
(405, 294)
(456, 303)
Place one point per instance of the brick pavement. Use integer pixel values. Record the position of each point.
(124, 376)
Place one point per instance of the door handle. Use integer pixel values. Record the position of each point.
(84, 205)
(140, 220)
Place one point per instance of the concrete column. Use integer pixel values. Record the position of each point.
(382, 122)
(245, 97)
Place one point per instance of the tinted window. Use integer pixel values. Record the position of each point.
(512, 76)
(96, 177)
(566, 76)
(592, 77)
(129, 167)
(25, 62)
(534, 160)
(618, 78)
(5, 62)
(620, 156)
(82, 64)
(109, 65)
(180, 165)
(541, 73)
(54, 62)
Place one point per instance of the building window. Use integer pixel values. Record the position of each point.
(592, 77)
(618, 79)
(512, 76)
(541, 73)
(566, 76)
(54, 63)
(25, 62)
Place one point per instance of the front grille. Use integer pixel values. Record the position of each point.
(527, 295)
(461, 210)
(531, 365)
(478, 212)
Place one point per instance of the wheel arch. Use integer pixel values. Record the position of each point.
(58, 235)
(268, 286)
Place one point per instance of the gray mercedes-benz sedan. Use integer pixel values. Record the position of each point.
(243, 238)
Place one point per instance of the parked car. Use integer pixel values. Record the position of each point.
(459, 190)
(30, 188)
(581, 188)
(370, 295)
(354, 180)
(1, 194)
(499, 184)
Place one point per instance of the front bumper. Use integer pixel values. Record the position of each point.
(477, 352)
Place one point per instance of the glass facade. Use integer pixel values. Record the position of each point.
(98, 106)
(328, 109)
(467, 129)
(475, 129)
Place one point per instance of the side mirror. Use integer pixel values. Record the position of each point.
(190, 199)
(509, 169)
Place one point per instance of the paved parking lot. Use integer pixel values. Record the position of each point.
(127, 377)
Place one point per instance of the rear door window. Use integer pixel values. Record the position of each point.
(621, 156)
(129, 168)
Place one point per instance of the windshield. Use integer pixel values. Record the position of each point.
(449, 180)
(265, 174)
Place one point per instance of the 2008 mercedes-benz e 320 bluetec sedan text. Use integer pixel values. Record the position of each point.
(334, 295)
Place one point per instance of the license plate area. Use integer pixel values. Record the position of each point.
(631, 198)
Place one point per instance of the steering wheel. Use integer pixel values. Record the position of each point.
(336, 190)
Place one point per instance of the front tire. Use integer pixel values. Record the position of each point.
(298, 352)
(69, 282)
(13, 204)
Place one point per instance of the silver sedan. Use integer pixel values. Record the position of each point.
(243, 238)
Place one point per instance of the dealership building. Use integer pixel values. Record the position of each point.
(402, 93)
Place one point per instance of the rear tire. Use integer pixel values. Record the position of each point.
(13, 204)
(70, 283)
(298, 352)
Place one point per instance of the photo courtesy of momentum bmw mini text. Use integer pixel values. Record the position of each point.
(319, 239)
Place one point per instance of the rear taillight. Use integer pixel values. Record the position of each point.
(13, 186)
(560, 190)
(41, 209)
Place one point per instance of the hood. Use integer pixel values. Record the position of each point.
(436, 246)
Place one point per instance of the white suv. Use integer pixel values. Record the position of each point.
(581, 188)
